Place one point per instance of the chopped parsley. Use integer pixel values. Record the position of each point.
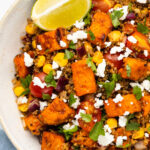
(46, 96)
(26, 83)
(72, 45)
(86, 117)
(148, 129)
(148, 78)
(49, 79)
(137, 92)
(92, 36)
(87, 19)
(68, 54)
(132, 126)
(130, 7)
(128, 68)
(72, 99)
(115, 16)
(143, 28)
(97, 130)
(90, 63)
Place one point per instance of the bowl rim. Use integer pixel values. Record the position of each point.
(14, 142)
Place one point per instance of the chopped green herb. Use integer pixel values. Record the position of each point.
(87, 19)
(76, 147)
(90, 63)
(115, 16)
(72, 45)
(130, 7)
(86, 117)
(26, 92)
(71, 130)
(132, 126)
(68, 54)
(92, 36)
(97, 130)
(137, 92)
(116, 77)
(72, 99)
(125, 146)
(148, 78)
(148, 129)
(128, 68)
(130, 116)
(49, 79)
(46, 97)
(143, 28)
(47, 50)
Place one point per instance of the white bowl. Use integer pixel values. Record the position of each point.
(11, 29)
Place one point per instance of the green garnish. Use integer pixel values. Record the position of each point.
(68, 54)
(87, 19)
(115, 16)
(46, 97)
(148, 78)
(132, 126)
(49, 79)
(72, 45)
(25, 83)
(97, 130)
(86, 117)
(128, 68)
(92, 36)
(130, 7)
(143, 28)
(90, 63)
(137, 92)
(72, 99)
(148, 129)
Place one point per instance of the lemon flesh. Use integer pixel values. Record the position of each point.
(52, 14)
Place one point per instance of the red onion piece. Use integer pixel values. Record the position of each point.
(81, 51)
(34, 105)
(61, 84)
(131, 16)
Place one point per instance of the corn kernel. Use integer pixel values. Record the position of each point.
(23, 107)
(31, 29)
(138, 134)
(98, 57)
(114, 36)
(117, 6)
(148, 127)
(47, 68)
(18, 90)
(34, 44)
(88, 48)
(40, 61)
(112, 123)
(59, 58)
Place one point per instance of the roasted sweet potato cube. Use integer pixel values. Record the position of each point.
(82, 138)
(146, 105)
(134, 69)
(83, 78)
(142, 42)
(129, 103)
(56, 113)
(21, 69)
(100, 27)
(52, 141)
(51, 40)
(33, 124)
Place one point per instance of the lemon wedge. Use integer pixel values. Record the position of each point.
(52, 14)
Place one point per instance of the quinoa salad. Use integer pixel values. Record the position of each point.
(87, 87)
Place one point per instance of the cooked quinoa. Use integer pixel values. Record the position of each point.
(88, 87)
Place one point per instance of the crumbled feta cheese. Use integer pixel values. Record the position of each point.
(122, 45)
(145, 53)
(101, 69)
(75, 122)
(108, 44)
(99, 95)
(116, 49)
(39, 47)
(106, 101)
(79, 24)
(118, 98)
(132, 22)
(120, 57)
(98, 48)
(64, 100)
(55, 65)
(132, 39)
(126, 54)
(122, 121)
(125, 12)
(86, 108)
(28, 60)
(131, 103)
(119, 105)
(98, 103)
(119, 141)
(63, 44)
(146, 85)
(118, 87)
(77, 103)
(38, 82)
(53, 96)
(43, 105)
(22, 100)
(146, 135)
(142, 1)
(126, 113)
(58, 74)
(78, 35)
(106, 139)
(68, 126)
(107, 128)
(137, 84)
